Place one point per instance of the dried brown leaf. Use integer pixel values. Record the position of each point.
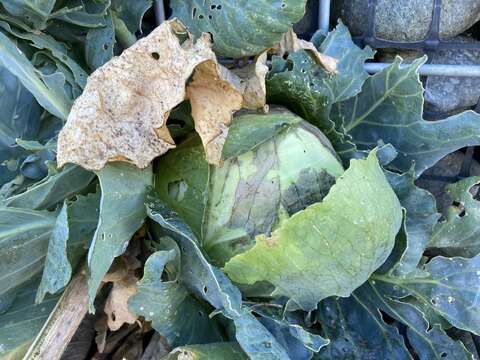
(253, 77)
(116, 306)
(122, 113)
(291, 43)
(215, 93)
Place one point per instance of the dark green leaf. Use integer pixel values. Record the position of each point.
(427, 343)
(34, 12)
(421, 215)
(131, 12)
(58, 50)
(99, 44)
(181, 181)
(307, 89)
(449, 286)
(239, 28)
(21, 323)
(122, 212)
(357, 331)
(24, 236)
(73, 231)
(52, 98)
(210, 284)
(389, 109)
(175, 314)
(53, 189)
(20, 119)
(299, 343)
(459, 233)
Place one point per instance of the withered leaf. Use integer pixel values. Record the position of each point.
(253, 77)
(122, 113)
(214, 94)
(116, 306)
(291, 43)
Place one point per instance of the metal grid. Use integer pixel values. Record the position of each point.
(431, 43)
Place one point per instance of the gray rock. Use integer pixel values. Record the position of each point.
(453, 94)
(408, 20)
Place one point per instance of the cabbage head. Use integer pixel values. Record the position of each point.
(281, 209)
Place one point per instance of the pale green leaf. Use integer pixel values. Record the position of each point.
(122, 211)
(239, 28)
(351, 232)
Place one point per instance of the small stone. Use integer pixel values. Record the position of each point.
(408, 20)
(453, 94)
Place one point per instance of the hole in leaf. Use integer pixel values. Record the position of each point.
(200, 16)
(194, 12)
(213, 6)
(433, 301)
(105, 46)
(303, 71)
(200, 313)
(219, 7)
(113, 316)
(285, 56)
(459, 208)
(205, 289)
(443, 355)
(283, 6)
(155, 55)
(475, 191)
(210, 17)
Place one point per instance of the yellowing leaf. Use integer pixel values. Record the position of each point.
(122, 113)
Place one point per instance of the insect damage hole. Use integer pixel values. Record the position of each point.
(155, 55)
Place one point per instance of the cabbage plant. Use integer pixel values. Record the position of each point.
(280, 217)
(270, 209)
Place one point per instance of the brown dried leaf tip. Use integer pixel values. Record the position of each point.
(291, 43)
(123, 111)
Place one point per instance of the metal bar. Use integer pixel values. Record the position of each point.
(324, 16)
(159, 10)
(433, 69)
